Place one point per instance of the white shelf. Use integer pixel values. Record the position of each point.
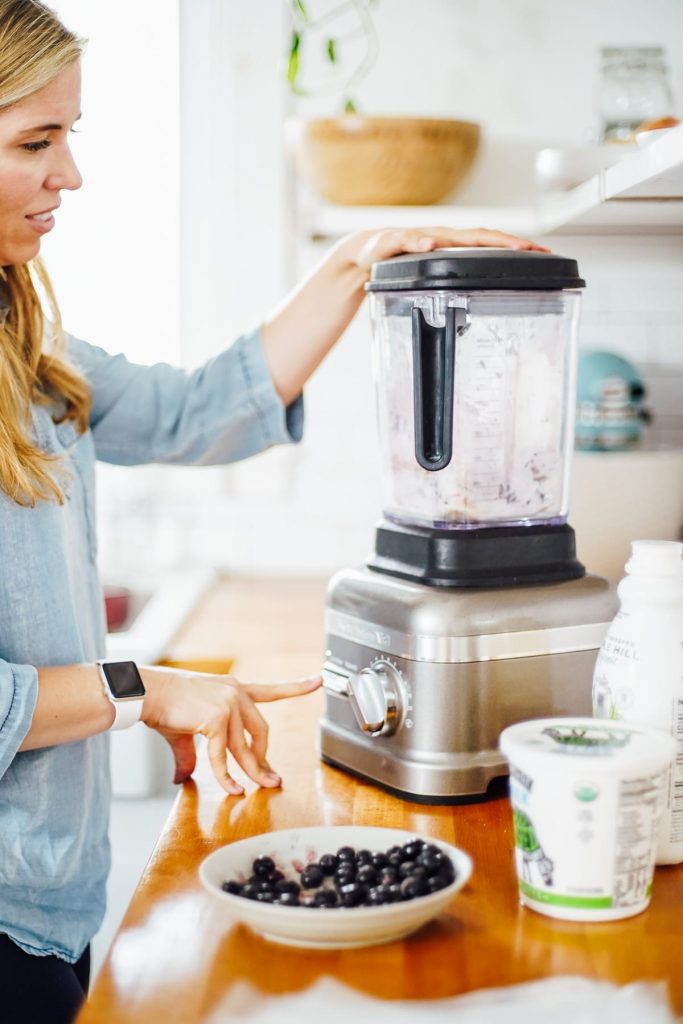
(643, 192)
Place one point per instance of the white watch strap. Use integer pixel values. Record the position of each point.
(127, 710)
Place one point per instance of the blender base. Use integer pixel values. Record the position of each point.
(456, 784)
(492, 556)
(456, 666)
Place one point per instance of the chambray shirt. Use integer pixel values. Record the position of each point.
(54, 802)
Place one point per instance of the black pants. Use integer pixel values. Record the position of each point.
(40, 989)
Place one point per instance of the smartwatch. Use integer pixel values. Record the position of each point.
(123, 686)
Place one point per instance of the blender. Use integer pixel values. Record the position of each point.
(473, 612)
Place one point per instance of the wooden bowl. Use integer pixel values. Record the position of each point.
(365, 161)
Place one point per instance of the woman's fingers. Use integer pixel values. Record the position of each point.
(257, 727)
(244, 755)
(278, 691)
(184, 754)
(216, 748)
(385, 244)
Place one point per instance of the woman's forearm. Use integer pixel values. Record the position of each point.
(71, 706)
(300, 333)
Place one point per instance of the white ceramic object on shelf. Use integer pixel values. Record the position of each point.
(338, 928)
(561, 168)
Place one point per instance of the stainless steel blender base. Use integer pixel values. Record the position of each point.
(419, 682)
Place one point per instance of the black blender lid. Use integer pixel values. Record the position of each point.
(463, 269)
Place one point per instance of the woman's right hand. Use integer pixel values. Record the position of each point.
(181, 704)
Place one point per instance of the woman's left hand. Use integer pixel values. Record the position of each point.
(367, 247)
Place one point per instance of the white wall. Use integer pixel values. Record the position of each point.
(114, 254)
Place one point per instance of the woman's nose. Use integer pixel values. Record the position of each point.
(64, 173)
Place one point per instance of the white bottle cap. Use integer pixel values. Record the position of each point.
(655, 558)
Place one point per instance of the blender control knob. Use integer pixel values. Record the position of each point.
(376, 698)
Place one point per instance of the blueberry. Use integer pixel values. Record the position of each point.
(393, 893)
(275, 876)
(376, 896)
(325, 898)
(263, 866)
(431, 860)
(311, 876)
(367, 875)
(412, 849)
(388, 876)
(250, 890)
(436, 882)
(406, 868)
(395, 856)
(363, 857)
(328, 863)
(351, 895)
(288, 899)
(448, 872)
(412, 887)
(346, 853)
(266, 896)
(233, 887)
(287, 885)
(345, 873)
(380, 860)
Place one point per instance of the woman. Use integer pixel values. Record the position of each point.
(64, 404)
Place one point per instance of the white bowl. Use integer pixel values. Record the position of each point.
(324, 928)
(561, 169)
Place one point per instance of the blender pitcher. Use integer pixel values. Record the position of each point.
(474, 359)
(475, 367)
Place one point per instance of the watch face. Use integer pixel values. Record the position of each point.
(124, 679)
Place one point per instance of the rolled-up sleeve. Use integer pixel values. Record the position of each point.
(227, 409)
(18, 696)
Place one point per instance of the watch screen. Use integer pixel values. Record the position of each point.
(124, 679)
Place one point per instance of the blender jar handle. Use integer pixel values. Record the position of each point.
(433, 384)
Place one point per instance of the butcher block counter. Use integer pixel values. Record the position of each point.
(177, 958)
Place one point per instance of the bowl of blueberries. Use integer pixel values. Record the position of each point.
(335, 887)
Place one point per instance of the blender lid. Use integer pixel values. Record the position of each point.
(478, 268)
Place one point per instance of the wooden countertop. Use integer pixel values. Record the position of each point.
(176, 957)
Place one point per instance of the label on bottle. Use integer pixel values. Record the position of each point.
(639, 678)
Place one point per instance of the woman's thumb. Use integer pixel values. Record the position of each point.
(182, 745)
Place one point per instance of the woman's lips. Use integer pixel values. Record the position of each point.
(41, 222)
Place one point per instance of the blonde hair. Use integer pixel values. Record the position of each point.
(34, 48)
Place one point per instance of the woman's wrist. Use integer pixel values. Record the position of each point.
(156, 680)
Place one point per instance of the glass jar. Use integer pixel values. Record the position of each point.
(634, 89)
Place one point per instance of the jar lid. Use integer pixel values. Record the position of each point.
(656, 558)
(604, 745)
(477, 268)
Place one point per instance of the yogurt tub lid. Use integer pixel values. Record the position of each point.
(568, 743)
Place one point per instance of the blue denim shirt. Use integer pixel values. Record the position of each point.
(54, 802)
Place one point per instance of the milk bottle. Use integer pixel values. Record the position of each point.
(639, 671)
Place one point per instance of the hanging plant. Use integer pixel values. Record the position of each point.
(347, 48)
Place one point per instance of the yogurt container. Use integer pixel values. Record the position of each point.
(587, 797)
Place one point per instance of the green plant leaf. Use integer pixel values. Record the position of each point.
(293, 62)
(349, 106)
(331, 51)
(302, 10)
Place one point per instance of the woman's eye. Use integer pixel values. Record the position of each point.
(33, 147)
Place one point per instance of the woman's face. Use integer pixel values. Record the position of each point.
(36, 163)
